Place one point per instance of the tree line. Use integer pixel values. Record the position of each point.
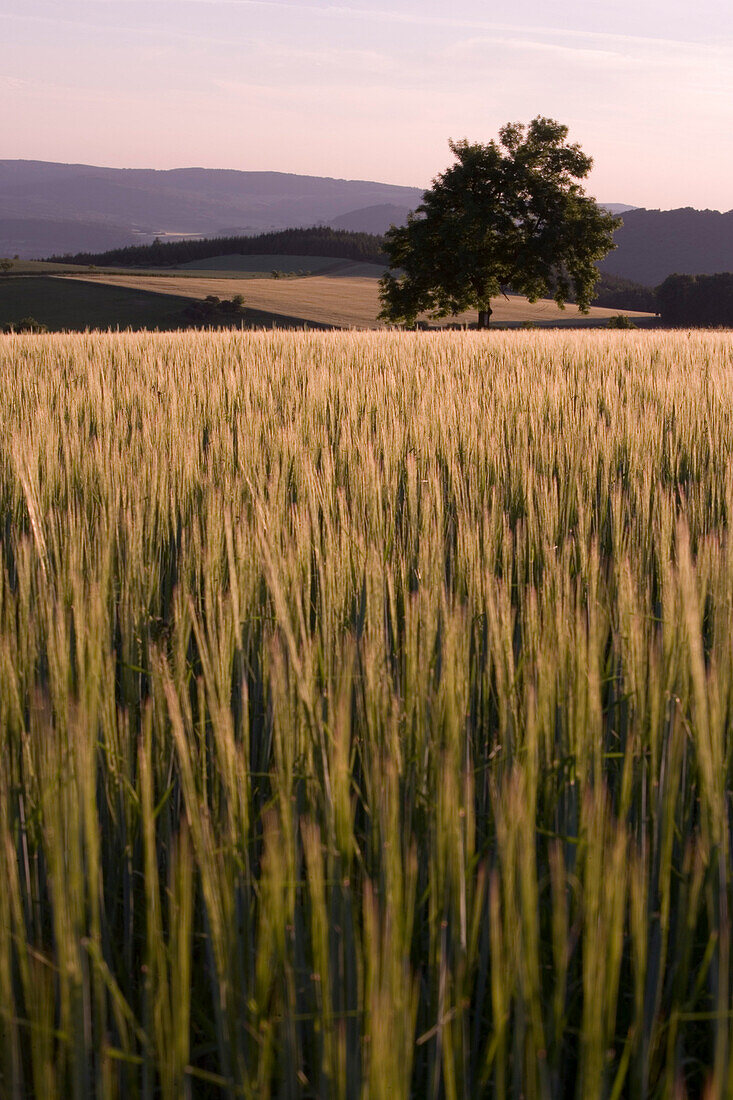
(313, 241)
(696, 300)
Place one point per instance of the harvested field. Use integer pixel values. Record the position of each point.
(344, 302)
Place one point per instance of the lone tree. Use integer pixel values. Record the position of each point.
(509, 215)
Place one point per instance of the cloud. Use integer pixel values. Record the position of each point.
(604, 47)
(386, 15)
(461, 51)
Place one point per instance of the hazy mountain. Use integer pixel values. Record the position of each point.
(653, 244)
(31, 238)
(50, 208)
(143, 203)
(378, 219)
(372, 219)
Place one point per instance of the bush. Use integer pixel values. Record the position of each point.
(214, 311)
(26, 324)
(621, 321)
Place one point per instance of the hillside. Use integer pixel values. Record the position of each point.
(65, 304)
(305, 247)
(33, 237)
(653, 244)
(90, 212)
(48, 207)
(344, 302)
(373, 219)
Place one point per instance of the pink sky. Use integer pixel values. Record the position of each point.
(373, 91)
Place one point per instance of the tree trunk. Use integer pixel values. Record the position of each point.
(484, 316)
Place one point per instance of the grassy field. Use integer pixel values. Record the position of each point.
(67, 304)
(349, 301)
(289, 265)
(365, 716)
(72, 305)
(226, 266)
(36, 267)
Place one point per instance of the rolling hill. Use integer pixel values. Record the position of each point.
(372, 219)
(47, 207)
(56, 209)
(343, 302)
(652, 244)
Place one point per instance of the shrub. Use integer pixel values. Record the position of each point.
(26, 324)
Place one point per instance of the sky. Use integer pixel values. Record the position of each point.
(358, 89)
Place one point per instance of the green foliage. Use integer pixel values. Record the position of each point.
(620, 321)
(506, 216)
(215, 311)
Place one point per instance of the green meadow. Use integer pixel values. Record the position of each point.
(366, 711)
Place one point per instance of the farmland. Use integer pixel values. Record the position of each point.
(72, 305)
(341, 299)
(365, 715)
(67, 304)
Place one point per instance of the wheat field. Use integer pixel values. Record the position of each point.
(365, 716)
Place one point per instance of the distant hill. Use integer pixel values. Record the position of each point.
(653, 244)
(33, 237)
(378, 219)
(372, 219)
(47, 207)
(61, 209)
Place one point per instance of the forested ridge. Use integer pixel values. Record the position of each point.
(697, 300)
(316, 241)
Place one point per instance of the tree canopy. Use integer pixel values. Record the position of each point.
(510, 215)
